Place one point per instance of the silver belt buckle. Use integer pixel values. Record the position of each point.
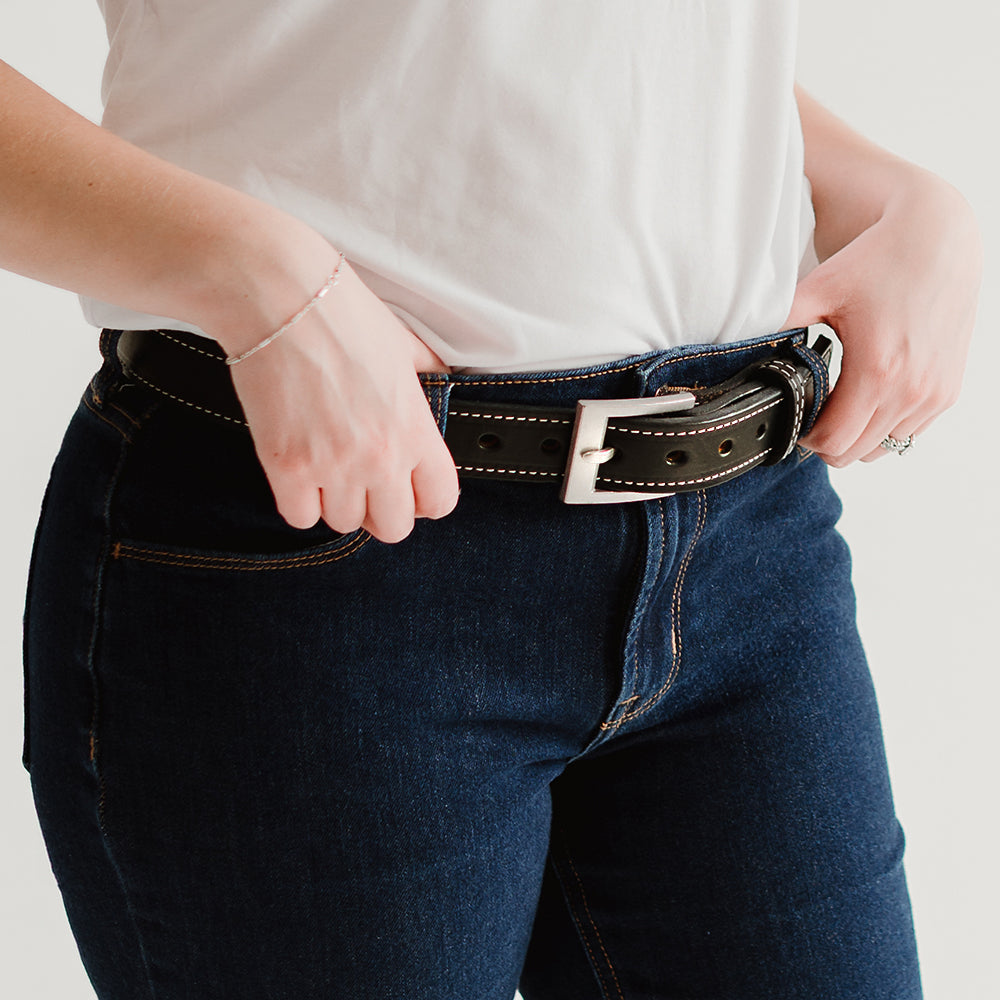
(587, 453)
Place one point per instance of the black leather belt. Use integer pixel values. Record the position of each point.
(606, 451)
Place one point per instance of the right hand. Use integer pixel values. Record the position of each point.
(340, 422)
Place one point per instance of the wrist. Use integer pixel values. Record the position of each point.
(255, 278)
(883, 186)
(945, 221)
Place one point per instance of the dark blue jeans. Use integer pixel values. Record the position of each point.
(627, 752)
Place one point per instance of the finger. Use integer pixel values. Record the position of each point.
(811, 302)
(897, 434)
(875, 454)
(298, 501)
(874, 434)
(344, 511)
(435, 487)
(924, 425)
(390, 510)
(843, 420)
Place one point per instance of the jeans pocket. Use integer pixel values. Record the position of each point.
(192, 493)
(338, 548)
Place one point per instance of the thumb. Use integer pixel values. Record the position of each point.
(812, 302)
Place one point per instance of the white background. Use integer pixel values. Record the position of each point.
(920, 77)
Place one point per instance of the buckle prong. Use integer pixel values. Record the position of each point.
(588, 452)
(598, 456)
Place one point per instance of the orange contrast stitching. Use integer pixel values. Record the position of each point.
(586, 943)
(715, 352)
(128, 416)
(460, 381)
(676, 638)
(122, 550)
(597, 933)
(101, 416)
(615, 723)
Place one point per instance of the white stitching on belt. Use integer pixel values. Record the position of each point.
(798, 392)
(497, 416)
(700, 430)
(690, 482)
(797, 387)
(197, 350)
(194, 406)
(509, 472)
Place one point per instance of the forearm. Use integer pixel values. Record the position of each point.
(854, 181)
(84, 210)
(335, 409)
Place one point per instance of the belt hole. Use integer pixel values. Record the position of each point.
(761, 431)
(550, 446)
(676, 457)
(726, 448)
(489, 442)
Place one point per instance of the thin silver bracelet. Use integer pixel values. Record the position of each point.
(327, 285)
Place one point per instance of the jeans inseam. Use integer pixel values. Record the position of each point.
(577, 890)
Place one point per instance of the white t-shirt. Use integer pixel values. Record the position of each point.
(528, 184)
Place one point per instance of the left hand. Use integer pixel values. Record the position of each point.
(901, 298)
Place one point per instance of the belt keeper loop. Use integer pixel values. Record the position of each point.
(111, 372)
(437, 388)
(792, 384)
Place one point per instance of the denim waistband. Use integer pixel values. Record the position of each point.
(688, 367)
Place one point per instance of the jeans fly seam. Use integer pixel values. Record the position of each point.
(122, 550)
(634, 631)
(677, 641)
(95, 756)
(101, 416)
(582, 931)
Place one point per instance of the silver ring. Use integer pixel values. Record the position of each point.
(899, 447)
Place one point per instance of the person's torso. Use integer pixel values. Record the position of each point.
(527, 184)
